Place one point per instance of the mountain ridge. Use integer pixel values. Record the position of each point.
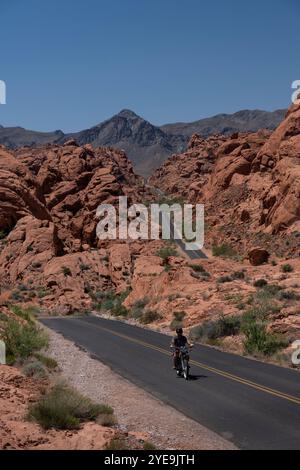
(147, 145)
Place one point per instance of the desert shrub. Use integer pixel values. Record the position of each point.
(138, 308)
(107, 419)
(3, 234)
(17, 296)
(118, 310)
(41, 293)
(229, 325)
(287, 268)
(65, 408)
(84, 267)
(222, 327)
(179, 316)
(35, 369)
(288, 295)
(197, 268)
(112, 302)
(177, 320)
(238, 275)
(260, 341)
(148, 446)
(66, 271)
(150, 316)
(36, 265)
(23, 340)
(260, 283)
(225, 251)
(25, 313)
(224, 279)
(166, 252)
(46, 361)
(117, 443)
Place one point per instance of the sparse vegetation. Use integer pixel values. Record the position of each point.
(66, 271)
(224, 279)
(46, 361)
(287, 268)
(117, 443)
(238, 275)
(260, 283)
(22, 341)
(110, 301)
(177, 321)
(35, 369)
(225, 251)
(198, 268)
(150, 316)
(65, 408)
(222, 327)
(148, 446)
(166, 252)
(260, 341)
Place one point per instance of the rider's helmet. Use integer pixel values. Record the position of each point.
(179, 331)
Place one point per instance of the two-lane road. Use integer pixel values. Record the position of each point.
(253, 404)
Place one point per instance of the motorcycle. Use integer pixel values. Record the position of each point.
(183, 367)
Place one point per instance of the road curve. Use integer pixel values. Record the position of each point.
(253, 404)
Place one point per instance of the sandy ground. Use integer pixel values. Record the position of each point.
(136, 410)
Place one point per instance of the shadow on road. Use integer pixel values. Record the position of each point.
(197, 377)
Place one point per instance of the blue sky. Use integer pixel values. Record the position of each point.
(70, 64)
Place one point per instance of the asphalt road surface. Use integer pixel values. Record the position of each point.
(253, 404)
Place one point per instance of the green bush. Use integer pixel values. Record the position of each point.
(224, 279)
(46, 361)
(117, 444)
(288, 295)
(65, 408)
(177, 321)
(197, 268)
(66, 271)
(112, 302)
(107, 419)
(35, 369)
(23, 340)
(222, 327)
(138, 308)
(224, 251)
(238, 275)
(259, 341)
(166, 252)
(148, 446)
(287, 268)
(150, 316)
(25, 313)
(260, 283)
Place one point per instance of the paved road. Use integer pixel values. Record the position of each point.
(255, 405)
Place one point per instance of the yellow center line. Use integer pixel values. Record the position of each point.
(227, 375)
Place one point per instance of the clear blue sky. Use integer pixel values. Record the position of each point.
(69, 64)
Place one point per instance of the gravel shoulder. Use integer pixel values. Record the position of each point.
(137, 411)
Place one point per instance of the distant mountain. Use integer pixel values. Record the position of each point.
(242, 121)
(146, 145)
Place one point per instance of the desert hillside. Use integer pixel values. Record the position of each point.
(51, 259)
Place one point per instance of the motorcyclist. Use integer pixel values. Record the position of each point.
(177, 342)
